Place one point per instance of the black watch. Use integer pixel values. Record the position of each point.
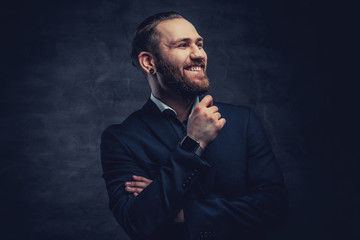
(190, 144)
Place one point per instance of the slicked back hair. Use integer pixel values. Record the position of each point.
(147, 38)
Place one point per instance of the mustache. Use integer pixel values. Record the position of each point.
(200, 62)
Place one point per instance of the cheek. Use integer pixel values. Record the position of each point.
(205, 55)
(184, 59)
(178, 60)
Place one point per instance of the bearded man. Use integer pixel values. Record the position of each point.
(176, 169)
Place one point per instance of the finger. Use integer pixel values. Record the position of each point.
(222, 122)
(217, 115)
(207, 101)
(133, 189)
(135, 194)
(142, 179)
(137, 184)
(213, 109)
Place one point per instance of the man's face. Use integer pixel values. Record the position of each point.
(182, 61)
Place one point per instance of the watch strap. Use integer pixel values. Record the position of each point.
(199, 151)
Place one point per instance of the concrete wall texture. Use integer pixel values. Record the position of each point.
(66, 75)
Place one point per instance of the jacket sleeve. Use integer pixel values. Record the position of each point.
(158, 204)
(264, 206)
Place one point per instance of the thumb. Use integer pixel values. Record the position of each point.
(207, 101)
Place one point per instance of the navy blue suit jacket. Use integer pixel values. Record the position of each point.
(234, 191)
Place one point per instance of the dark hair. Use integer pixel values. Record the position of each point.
(147, 38)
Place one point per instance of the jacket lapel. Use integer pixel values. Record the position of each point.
(159, 125)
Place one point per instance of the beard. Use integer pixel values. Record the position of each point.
(175, 81)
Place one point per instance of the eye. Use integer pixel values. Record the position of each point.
(183, 45)
(200, 44)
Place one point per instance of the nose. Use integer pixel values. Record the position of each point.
(197, 53)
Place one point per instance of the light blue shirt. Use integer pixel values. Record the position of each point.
(162, 106)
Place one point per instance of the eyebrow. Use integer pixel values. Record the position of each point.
(199, 39)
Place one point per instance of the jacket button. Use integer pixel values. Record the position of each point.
(184, 185)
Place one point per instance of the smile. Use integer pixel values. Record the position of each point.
(194, 68)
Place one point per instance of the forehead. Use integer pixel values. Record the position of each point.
(178, 28)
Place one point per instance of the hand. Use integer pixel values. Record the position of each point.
(139, 184)
(205, 122)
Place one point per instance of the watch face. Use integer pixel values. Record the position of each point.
(189, 144)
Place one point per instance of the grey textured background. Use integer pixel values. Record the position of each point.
(66, 75)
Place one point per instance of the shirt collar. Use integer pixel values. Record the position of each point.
(162, 106)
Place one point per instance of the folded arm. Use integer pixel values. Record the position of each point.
(159, 203)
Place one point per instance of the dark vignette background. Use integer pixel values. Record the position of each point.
(66, 75)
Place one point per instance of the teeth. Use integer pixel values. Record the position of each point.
(195, 69)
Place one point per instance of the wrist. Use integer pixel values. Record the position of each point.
(202, 144)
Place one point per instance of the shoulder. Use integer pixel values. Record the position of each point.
(230, 107)
(238, 115)
(234, 111)
(131, 123)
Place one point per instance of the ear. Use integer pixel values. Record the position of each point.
(147, 62)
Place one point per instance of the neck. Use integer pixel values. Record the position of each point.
(182, 105)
